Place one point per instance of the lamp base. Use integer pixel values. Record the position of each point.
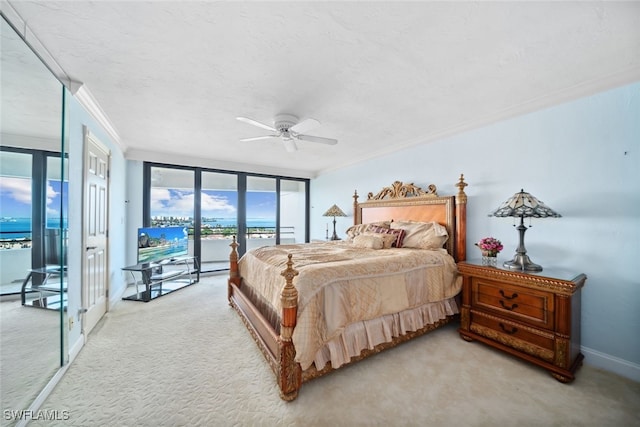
(334, 236)
(521, 262)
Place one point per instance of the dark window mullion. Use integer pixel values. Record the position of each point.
(38, 208)
(242, 213)
(197, 215)
(146, 195)
(277, 211)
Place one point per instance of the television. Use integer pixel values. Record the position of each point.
(161, 243)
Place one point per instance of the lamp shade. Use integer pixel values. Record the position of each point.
(334, 211)
(524, 205)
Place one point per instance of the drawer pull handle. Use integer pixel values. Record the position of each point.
(511, 332)
(514, 295)
(514, 306)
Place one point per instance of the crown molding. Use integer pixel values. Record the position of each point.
(86, 100)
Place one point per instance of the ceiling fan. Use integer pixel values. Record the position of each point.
(289, 129)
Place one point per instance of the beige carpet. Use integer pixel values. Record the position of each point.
(186, 360)
(29, 353)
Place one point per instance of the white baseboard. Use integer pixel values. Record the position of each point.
(611, 363)
(74, 349)
(116, 297)
(42, 396)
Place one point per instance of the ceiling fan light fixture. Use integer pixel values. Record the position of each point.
(290, 145)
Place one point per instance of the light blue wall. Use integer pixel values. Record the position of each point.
(583, 160)
(134, 209)
(77, 117)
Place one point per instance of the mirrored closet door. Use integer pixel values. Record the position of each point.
(33, 225)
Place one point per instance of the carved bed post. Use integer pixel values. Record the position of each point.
(289, 371)
(356, 220)
(461, 220)
(234, 273)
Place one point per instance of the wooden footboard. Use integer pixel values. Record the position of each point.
(278, 348)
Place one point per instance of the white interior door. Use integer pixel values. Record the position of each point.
(95, 285)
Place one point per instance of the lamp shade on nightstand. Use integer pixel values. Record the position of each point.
(523, 205)
(334, 211)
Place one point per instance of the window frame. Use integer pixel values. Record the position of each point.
(242, 208)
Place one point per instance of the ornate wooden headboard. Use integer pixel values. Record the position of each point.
(407, 202)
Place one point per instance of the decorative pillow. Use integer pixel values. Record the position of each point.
(387, 239)
(368, 241)
(398, 233)
(422, 235)
(354, 230)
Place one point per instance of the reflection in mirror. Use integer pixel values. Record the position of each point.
(32, 224)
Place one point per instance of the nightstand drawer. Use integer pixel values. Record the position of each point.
(519, 303)
(524, 338)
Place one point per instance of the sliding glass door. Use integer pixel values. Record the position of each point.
(219, 218)
(172, 198)
(262, 211)
(15, 218)
(293, 208)
(217, 205)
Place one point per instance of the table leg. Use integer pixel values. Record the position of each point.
(23, 296)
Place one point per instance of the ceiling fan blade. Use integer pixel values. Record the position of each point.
(290, 145)
(255, 123)
(321, 140)
(304, 126)
(258, 138)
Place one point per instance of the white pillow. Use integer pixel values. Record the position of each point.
(354, 230)
(387, 239)
(422, 235)
(368, 241)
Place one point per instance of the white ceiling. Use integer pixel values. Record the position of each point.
(172, 76)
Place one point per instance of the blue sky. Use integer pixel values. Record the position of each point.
(15, 201)
(214, 203)
(15, 197)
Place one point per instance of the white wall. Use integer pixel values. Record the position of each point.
(583, 160)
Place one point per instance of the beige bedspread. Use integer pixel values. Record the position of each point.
(339, 284)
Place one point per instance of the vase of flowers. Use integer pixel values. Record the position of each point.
(490, 248)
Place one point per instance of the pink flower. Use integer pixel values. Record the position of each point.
(490, 245)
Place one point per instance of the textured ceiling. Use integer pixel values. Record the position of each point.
(172, 76)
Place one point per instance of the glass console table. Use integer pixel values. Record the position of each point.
(51, 285)
(161, 278)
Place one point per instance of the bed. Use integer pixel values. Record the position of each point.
(312, 308)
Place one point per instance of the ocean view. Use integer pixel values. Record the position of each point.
(231, 222)
(20, 228)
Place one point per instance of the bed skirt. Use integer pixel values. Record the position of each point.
(368, 334)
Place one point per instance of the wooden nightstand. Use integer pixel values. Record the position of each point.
(534, 316)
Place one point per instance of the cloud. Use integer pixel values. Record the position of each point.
(52, 194)
(159, 198)
(171, 202)
(19, 189)
(215, 204)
